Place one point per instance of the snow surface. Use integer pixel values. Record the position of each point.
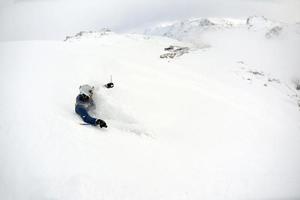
(221, 122)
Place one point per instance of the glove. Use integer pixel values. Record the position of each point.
(101, 123)
(109, 85)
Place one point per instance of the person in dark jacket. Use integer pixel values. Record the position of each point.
(84, 103)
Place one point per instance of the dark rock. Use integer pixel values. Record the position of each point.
(256, 73)
(275, 31)
(274, 80)
(168, 55)
(174, 51)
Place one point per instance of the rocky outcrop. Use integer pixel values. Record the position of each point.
(174, 51)
(273, 32)
(89, 34)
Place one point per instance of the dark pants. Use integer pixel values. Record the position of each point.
(82, 112)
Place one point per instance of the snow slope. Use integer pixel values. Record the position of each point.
(217, 123)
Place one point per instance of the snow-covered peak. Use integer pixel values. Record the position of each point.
(190, 30)
(184, 29)
(262, 23)
(89, 34)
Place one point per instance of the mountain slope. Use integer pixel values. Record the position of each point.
(215, 123)
(192, 30)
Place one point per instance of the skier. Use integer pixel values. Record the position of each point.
(84, 103)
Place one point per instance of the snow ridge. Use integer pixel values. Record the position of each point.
(188, 30)
(89, 34)
(183, 29)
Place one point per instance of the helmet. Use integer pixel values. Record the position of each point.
(86, 90)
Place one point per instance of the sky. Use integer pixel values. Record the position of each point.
(55, 19)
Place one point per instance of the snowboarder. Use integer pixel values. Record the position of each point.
(84, 103)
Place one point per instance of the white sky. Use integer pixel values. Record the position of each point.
(54, 19)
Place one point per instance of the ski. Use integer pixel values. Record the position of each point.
(84, 124)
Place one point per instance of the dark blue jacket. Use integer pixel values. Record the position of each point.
(82, 106)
